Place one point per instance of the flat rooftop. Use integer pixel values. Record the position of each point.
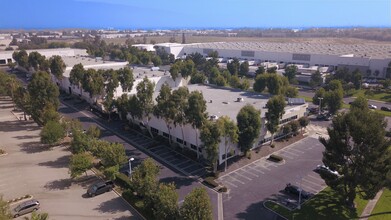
(93, 63)
(358, 50)
(224, 100)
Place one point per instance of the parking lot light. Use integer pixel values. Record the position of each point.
(130, 166)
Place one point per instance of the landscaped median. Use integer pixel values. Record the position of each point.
(325, 205)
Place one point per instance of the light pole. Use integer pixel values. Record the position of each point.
(320, 104)
(130, 166)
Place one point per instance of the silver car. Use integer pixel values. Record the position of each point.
(25, 207)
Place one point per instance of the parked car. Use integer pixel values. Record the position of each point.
(384, 108)
(295, 190)
(25, 207)
(370, 106)
(325, 169)
(99, 188)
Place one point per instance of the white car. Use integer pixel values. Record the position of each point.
(323, 168)
(370, 106)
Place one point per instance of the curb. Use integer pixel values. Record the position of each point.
(119, 195)
(20, 199)
(272, 210)
(3, 154)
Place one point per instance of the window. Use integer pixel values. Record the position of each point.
(179, 140)
(192, 146)
(154, 130)
(165, 135)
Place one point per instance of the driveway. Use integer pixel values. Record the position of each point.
(30, 168)
(254, 183)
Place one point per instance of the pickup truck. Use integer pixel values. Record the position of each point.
(99, 188)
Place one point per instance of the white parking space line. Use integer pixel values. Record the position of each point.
(229, 183)
(309, 188)
(186, 161)
(286, 151)
(195, 171)
(160, 150)
(246, 171)
(192, 164)
(295, 150)
(234, 179)
(310, 182)
(155, 147)
(261, 166)
(239, 174)
(317, 178)
(166, 153)
(253, 168)
(287, 156)
(169, 157)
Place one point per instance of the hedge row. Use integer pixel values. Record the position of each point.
(123, 181)
(276, 158)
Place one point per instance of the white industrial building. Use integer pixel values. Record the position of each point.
(220, 102)
(371, 59)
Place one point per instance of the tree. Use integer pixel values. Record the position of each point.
(272, 70)
(93, 131)
(386, 83)
(111, 154)
(80, 163)
(164, 202)
(175, 69)
(38, 216)
(291, 92)
(44, 93)
(76, 76)
(295, 125)
(144, 95)
(260, 82)
(21, 58)
(164, 107)
(286, 130)
(357, 78)
(333, 97)
(156, 61)
(144, 177)
(274, 84)
(388, 71)
(210, 137)
(50, 113)
(233, 66)
(37, 61)
(358, 149)
(80, 142)
(304, 121)
(234, 82)
(316, 79)
(93, 82)
(260, 70)
(57, 66)
(319, 94)
(243, 68)
(196, 205)
(290, 73)
(196, 113)
(229, 132)
(52, 133)
(249, 125)
(187, 69)
(180, 98)
(126, 78)
(4, 210)
(275, 110)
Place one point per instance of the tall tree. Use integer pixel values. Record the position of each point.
(93, 83)
(37, 61)
(164, 202)
(210, 137)
(76, 76)
(145, 177)
(290, 72)
(303, 121)
(52, 132)
(57, 66)
(260, 70)
(175, 69)
(357, 78)
(164, 107)
(319, 94)
(44, 93)
(21, 58)
(358, 149)
(260, 82)
(188, 68)
(196, 113)
(179, 101)
(79, 164)
(126, 79)
(144, 95)
(4, 210)
(230, 133)
(275, 110)
(244, 68)
(316, 79)
(249, 125)
(196, 205)
(233, 66)
(334, 97)
(112, 154)
(274, 84)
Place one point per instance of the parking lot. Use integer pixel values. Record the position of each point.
(254, 183)
(30, 168)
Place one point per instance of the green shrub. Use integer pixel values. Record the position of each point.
(111, 172)
(223, 189)
(211, 181)
(272, 146)
(276, 158)
(216, 174)
(2, 151)
(123, 181)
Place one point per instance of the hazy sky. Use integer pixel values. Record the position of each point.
(193, 13)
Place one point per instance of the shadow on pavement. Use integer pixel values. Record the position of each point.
(10, 126)
(60, 162)
(112, 206)
(179, 181)
(60, 184)
(27, 137)
(34, 147)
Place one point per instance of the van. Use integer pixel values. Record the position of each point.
(25, 207)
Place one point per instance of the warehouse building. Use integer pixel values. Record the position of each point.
(221, 102)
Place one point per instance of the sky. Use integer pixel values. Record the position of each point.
(166, 14)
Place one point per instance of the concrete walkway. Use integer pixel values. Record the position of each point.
(370, 206)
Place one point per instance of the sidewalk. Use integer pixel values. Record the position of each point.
(370, 206)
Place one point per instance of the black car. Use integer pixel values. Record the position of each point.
(384, 108)
(99, 188)
(295, 190)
